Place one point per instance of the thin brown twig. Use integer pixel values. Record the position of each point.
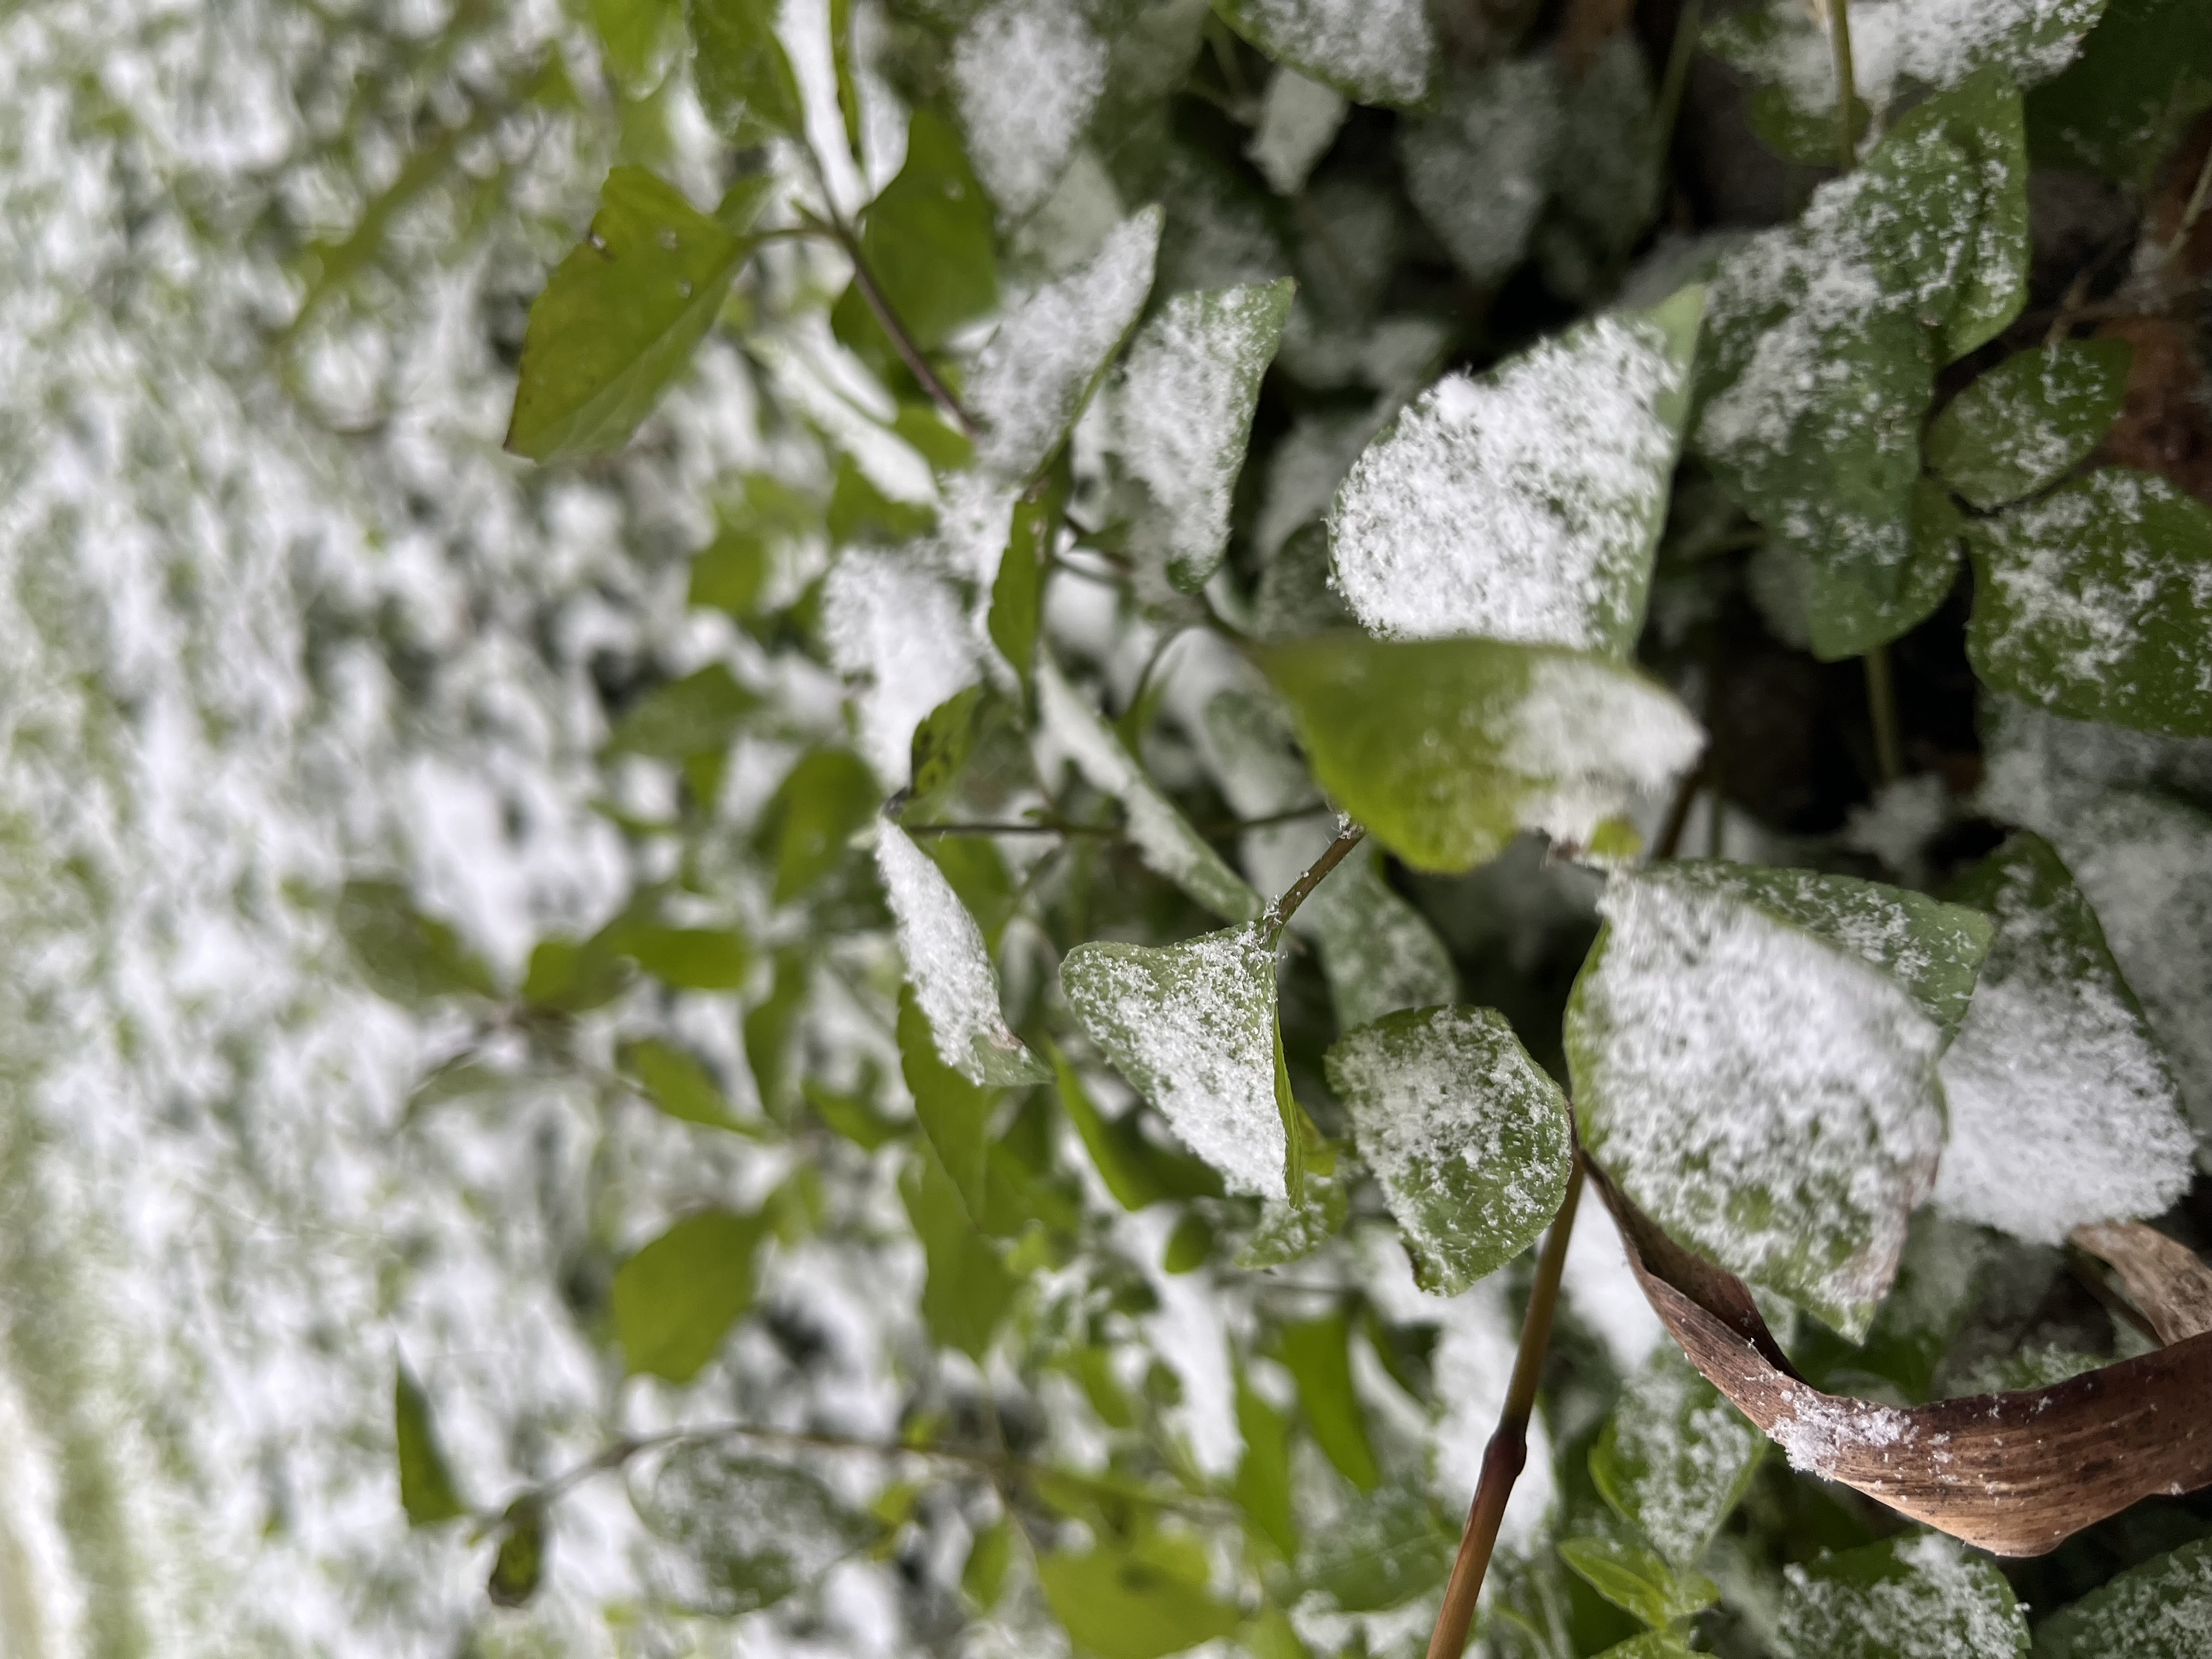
(1508, 1451)
(1285, 907)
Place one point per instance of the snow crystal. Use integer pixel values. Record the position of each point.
(2062, 1109)
(1163, 838)
(1377, 50)
(1935, 44)
(945, 958)
(901, 630)
(1035, 376)
(1026, 74)
(1767, 1098)
(1598, 737)
(1193, 1025)
(1816, 1428)
(1949, 1605)
(1519, 507)
(1298, 121)
(1479, 170)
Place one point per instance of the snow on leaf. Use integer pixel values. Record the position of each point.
(1768, 1096)
(1676, 1457)
(1026, 74)
(902, 632)
(1526, 505)
(2029, 419)
(2095, 602)
(1193, 1027)
(1373, 51)
(1922, 1597)
(2160, 1610)
(1039, 369)
(1480, 168)
(1298, 120)
(1467, 1136)
(949, 968)
(1447, 748)
(741, 1533)
(1182, 410)
(1163, 836)
(2062, 1110)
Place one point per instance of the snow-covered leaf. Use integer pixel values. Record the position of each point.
(2160, 1610)
(1163, 836)
(1193, 1027)
(949, 968)
(1468, 1137)
(1525, 505)
(2095, 602)
(1851, 609)
(1480, 168)
(1182, 408)
(1922, 1597)
(1298, 120)
(1446, 749)
(1637, 1581)
(2029, 420)
(739, 1533)
(1040, 368)
(1373, 51)
(1026, 76)
(2062, 1110)
(1676, 1457)
(1767, 1096)
(903, 633)
(676, 1299)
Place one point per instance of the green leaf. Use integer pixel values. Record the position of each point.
(1192, 1026)
(823, 801)
(1137, 1172)
(858, 512)
(1163, 836)
(743, 1533)
(1373, 51)
(968, 1289)
(619, 318)
(1262, 1486)
(744, 80)
(942, 742)
(841, 55)
(404, 956)
(1318, 1354)
(519, 1566)
(426, 1492)
(676, 1299)
(1470, 1139)
(852, 1115)
(1918, 1594)
(769, 1025)
(1637, 1581)
(983, 1579)
(1181, 409)
(687, 958)
(1119, 1605)
(572, 977)
(1378, 951)
(2095, 602)
(929, 240)
(1039, 370)
(2160, 1610)
(2144, 75)
(2029, 421)
(1676, 1457)
(2062, 1107)
(1525, 505)
(1379, 1552)
(948, 971)
(1851, 608)
(1982, 120)
(955, 1113)
(1016, 614)
(1767, 1094)
(1652, 1645)
(1446, 749)
(679, 1085)
(638, 36)
(697, 714)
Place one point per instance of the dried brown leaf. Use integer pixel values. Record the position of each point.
(2014, 1473)
(2163, 1277)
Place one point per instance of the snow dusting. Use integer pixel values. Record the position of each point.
(1677, 1455)
(1928, 1599)
(1478, 169)
(1375, 51)
(1816, 1428)
(1026, 74)
(945, 959)
(901, 630)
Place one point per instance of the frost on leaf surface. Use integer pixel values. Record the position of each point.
(1193, 1027)
(1026, 74)
(1298, 120)
(2029, 420)
(1447, 748)
(2160, 1610)
(1766, 1095)
(1467, 1134)
(1676, 1457)
(1163, 836)
(1181, 409)
(1524, 505)
(1922, 1597)
(1373, 51)
(1480, 168)
(949, 968)
(902, 632)
(1040, 368)
(2062, 1110)
(2095, 602)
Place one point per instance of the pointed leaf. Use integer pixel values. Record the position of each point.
(1379, 1552)
(744, 78)
(1920, 1594)
(1016, 614)
(929, 237)
(1676, 1457)
(1637, 1581)
(405, 956)
(1373, 51)
(676, 1299)
(518, 1567)
(426, 1492)
(1262, 1487)
(2160, 1610)
(1851, 608)
(1137, 1172)
(2030, 419)
(678, 1084)
(968, 1288)
(1317, 1352)
(1118, 1605)
(953, 980)
(1469, 1138)
(697, 714)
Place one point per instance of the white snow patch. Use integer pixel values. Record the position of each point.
(1026, 74)
(901, 629)
(945, 959)
(1377, 50)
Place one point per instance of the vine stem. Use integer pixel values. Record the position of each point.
(1881, 710)
(1679, 54)
(1508, 1451)
(1284, 908)
(1847, 91)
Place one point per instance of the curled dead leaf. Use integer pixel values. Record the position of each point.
(2016, 1474)
(2162, 1276)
